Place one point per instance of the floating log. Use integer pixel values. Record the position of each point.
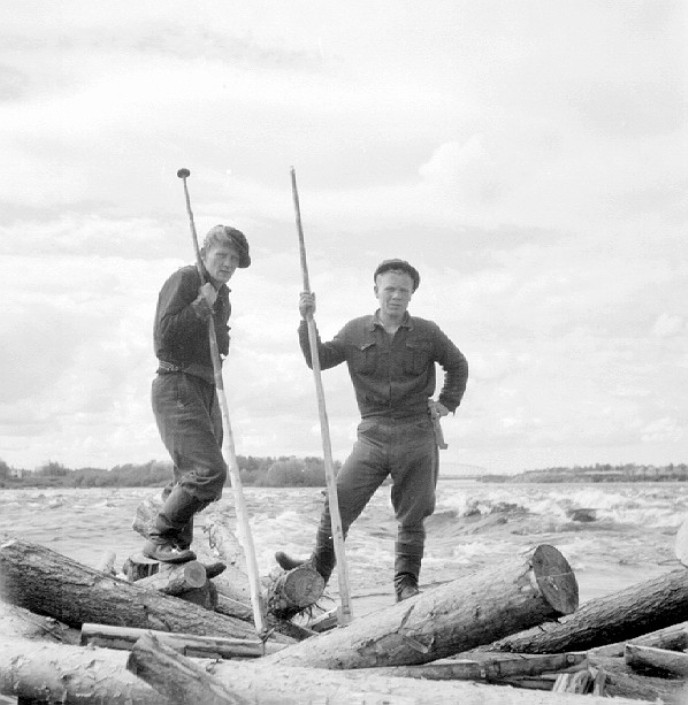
(487, 668)
(123, 638)
(46, 582)
(448, 619)
(674, 638)
(641, 608)
(647, 658)
(74, 675)
(175, 677)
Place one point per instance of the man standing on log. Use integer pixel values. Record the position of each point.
(184, 395)
(391, 358)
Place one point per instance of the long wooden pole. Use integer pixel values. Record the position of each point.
(228, 447)
(345, 612)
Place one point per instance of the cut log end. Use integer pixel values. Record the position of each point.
(555, 579)
(303, 586)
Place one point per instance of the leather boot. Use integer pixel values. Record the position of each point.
(186, 534)
(408, 558)
(168, 531)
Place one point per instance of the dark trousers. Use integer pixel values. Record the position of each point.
(188, 417)
(405, 449)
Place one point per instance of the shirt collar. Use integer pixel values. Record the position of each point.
(406, 322)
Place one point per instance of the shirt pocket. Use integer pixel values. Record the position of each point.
(364, 360)
(416, 356)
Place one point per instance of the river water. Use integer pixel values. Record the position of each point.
(611, 534)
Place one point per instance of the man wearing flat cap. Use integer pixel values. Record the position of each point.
(391, 358)
(184, 397)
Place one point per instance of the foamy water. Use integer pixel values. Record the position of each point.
(625, 535)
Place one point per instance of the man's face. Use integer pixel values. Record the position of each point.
(221, 261)
(393, 290)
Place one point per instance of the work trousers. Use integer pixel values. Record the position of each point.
(406, 449)
(190, 423)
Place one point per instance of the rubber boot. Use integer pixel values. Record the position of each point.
(408, 558)
(168, 531)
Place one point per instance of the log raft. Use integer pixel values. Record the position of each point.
(75, 675)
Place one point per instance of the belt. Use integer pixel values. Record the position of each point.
(165, 367)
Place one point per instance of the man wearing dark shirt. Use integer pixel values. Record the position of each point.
(391, 358)
(184, 397)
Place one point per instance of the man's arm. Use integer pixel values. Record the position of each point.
(332, 353)
(455, 367)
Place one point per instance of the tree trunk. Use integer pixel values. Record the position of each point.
(18, 622)
(454, 617)
(46, 582)
(176, 579)
(175, 677)
(623, 682)
(74, 675)
(287, 594)
(641, 608)
(674, 638)
(646, 658)
(485, 667)
(123, 638)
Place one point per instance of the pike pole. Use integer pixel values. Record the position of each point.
(344, 613)
(228, 448)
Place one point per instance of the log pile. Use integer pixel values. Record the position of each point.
(510, 635)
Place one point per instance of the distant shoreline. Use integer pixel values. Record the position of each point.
(595, 473)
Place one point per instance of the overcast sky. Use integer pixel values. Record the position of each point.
(528, 157)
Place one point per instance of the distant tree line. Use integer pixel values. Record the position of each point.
(256, 471)
(630, 472)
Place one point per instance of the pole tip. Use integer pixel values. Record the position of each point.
(183, 173)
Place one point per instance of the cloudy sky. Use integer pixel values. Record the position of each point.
(527, 156)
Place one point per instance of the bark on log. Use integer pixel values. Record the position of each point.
(489, 669)
(622, 682)
(175, 677)
(674, 638)
(75, 675)
(18, 622)
(137, 567)
(448, 619)
(641, 608)
(290, 592)
(647, 658)
(46, 582)
(176, 579)
(123, 638)
(286, 594)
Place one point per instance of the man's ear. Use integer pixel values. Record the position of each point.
(375, 289)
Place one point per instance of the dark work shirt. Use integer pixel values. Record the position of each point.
(394, 375)
(181, 323)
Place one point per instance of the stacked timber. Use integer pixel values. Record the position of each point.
(74, 634)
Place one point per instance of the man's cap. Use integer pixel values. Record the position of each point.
(400, 264)
(235, 237)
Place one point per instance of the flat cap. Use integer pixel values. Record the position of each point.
(400, 264)
(226, 233)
